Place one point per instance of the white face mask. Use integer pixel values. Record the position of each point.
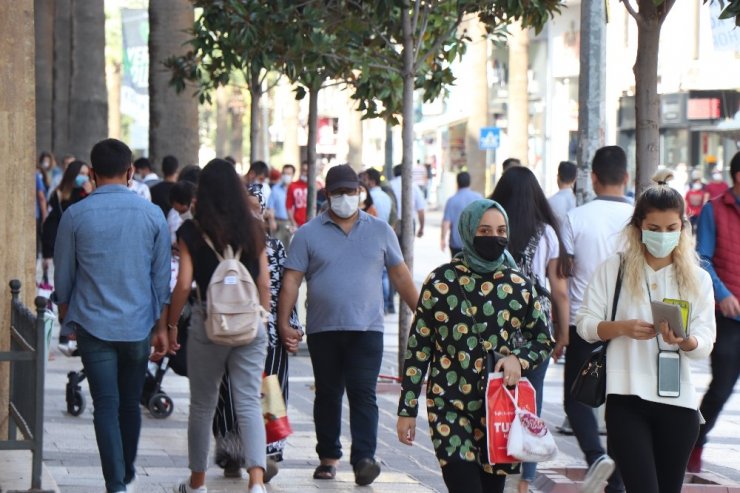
(697, 186)
(659, 244)
(363, 197)
(287, 179)
(344, 205)
(717, 176)
(304, 177)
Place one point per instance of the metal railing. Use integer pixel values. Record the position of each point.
(27, 357)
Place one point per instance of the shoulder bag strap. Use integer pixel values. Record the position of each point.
(617, 290)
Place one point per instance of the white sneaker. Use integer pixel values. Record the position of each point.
(599, 472)
(131, 486)
(69, 348)
(258, 488)
(184, 487)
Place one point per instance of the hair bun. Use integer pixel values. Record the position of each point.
(663, 176)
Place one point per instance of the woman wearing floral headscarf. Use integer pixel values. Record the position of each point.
(474, 305)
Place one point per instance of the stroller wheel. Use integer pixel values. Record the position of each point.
(76, 405)
(160, 405)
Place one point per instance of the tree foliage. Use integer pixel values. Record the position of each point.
(437, 41)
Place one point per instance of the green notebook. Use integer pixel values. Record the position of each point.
(685, 307)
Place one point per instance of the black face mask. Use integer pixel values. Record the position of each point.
(490, 247)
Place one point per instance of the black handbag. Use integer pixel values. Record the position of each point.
(589, 386)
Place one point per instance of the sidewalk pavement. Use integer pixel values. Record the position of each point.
(72, 464)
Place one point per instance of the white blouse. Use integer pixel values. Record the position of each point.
(632, 365)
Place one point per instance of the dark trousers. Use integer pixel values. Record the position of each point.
(581, 416)
(725, 370)
(115, 372)
(346, 360)
(469, 477)
(650, 442)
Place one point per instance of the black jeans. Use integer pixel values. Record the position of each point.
(581, 416)
(725, 371)
(468, 477)
(650, 442)
(346, 360)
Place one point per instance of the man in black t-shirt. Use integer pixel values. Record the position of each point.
(161, 191)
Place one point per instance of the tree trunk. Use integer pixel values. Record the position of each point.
(518, 108)
(354, 138)
(313, 123)
(88, 116)
(591, 92)
(407, 197)
(222, 121)
(62, 77)
(291, 148)
(647, 100)
(44, 25)
(18, 148)
(236, 107)
(478, 101)
(173, 118)
(255, 94)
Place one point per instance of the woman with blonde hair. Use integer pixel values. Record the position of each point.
(652, 415)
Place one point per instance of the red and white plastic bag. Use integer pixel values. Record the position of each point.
(500, 414)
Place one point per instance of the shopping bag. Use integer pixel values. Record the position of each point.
(529, 438)
(500, 413)
(277, 426)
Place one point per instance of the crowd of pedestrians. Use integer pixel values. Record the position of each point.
(529, 279)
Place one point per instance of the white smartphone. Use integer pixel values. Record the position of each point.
(669, 374)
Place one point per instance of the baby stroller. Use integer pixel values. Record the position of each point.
(155, 399)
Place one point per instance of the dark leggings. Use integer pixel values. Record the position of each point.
(469, 477)
(650, 442)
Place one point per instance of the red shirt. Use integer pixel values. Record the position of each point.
(297, 199)
(694, 202)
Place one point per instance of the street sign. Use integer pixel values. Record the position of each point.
(490, 138)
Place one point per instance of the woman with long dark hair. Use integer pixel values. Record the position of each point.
(536, 245)
(222, 216)
(652, 415)
(226, 431)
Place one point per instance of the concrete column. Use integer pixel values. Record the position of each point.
(17, 146)
(478, 100)
(44, 19)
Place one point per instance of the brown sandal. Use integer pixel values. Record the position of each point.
(325, 471)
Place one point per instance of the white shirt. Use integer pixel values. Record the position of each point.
(547, 249)
(592, 233)
(632, 367)
(419, 202)
(141, 190)
(562, 203)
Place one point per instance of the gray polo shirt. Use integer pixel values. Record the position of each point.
(344, 271)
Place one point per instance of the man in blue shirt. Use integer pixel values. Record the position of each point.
(279, 221)
(112, 259)
(718, 235)
(453, 209)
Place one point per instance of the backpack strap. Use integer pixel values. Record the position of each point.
(228, 251)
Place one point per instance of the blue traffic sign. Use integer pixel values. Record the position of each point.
(490, 138)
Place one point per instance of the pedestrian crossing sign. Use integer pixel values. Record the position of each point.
(490, 138)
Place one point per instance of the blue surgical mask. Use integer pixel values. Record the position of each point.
(660, 245)
(80, 180)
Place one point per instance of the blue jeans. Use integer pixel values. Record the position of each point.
(351, 360)
(115, 372)
(537, 378)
